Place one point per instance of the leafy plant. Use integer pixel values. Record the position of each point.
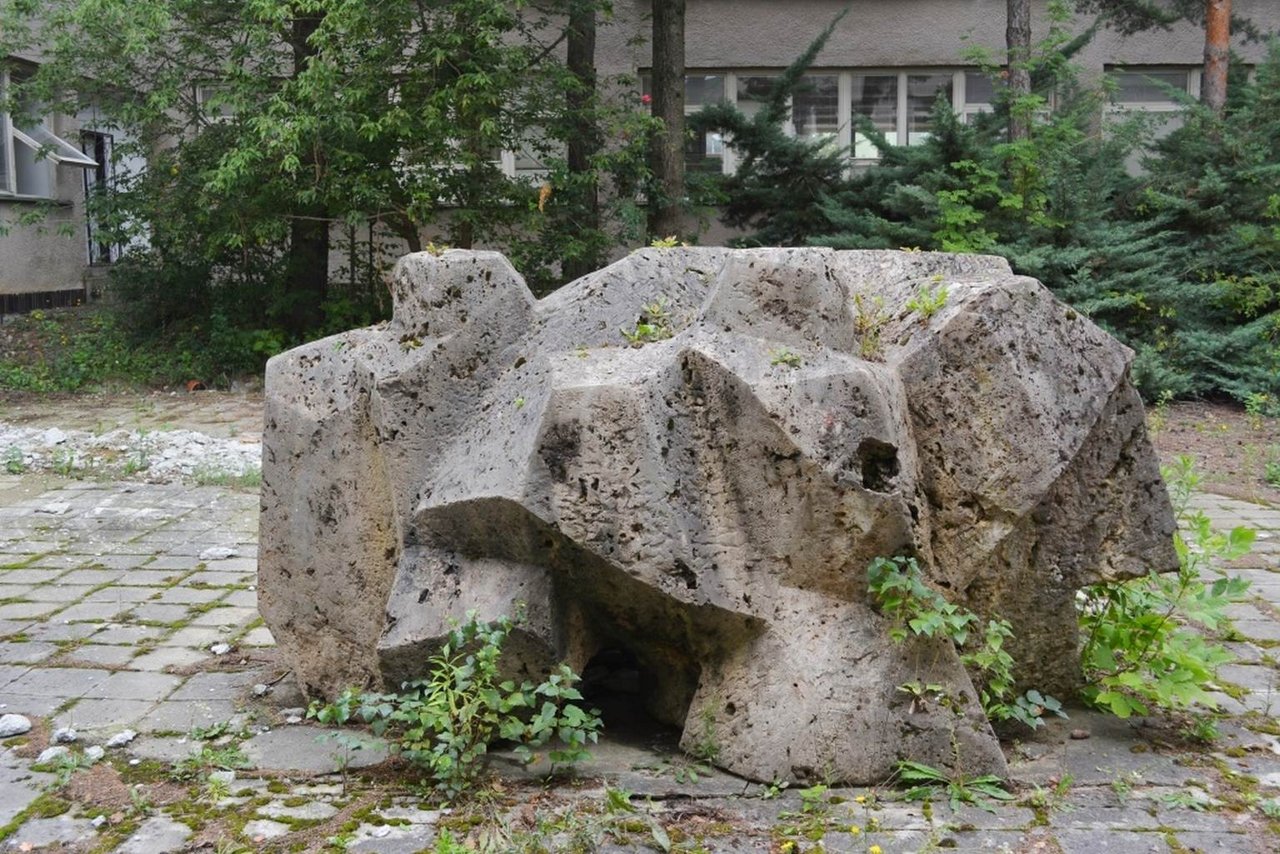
(928, 301)
(1144, 647)
(925, 781)
(898, 587)
(446, 722)
(783, 356)
(869, 318)
(14, 462)
(653, 325)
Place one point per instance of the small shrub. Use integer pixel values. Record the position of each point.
(1143, 646)
(446, 722)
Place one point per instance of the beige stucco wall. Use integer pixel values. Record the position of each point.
(53, 255)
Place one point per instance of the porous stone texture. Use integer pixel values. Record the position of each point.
(709, 502)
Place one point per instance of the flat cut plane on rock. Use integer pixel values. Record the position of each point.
(693, 455)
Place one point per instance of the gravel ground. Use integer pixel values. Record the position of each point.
(129, 453)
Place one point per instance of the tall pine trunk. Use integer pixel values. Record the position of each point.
(666, 156)
(308, 262)
(1217, 48)
(1018, 41)
(584, 142)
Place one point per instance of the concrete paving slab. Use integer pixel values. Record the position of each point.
(109, 716)
(182, 595)
(198, 637)
(216, 686)
(166, 657)
(32, 652)
(185, 715)
(309, 749)
(58, 592)
(97, 612)
(134, 686)
(58, 631)
(232, 617)
(27, 610)
(58, 682)
(125, 634)
(154, 612)
(97, 655)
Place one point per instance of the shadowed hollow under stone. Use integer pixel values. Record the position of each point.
(709, 502)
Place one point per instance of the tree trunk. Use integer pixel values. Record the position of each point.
(308, 265)
(1018, 41)
(584, 140)
(666, 157)
(1217, 49)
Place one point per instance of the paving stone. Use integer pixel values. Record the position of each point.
(235, 564)
(92, 577)
(262, 829)
(1266, 630)
(261, 636)
(27, 610)
(185, 715)
(1204, 842)
(305, 748)
(216, 686)
(61, 683)
(18, 788)
(31, 652)
(312, 811)
(10, 672)
(135, 686)
(149, 577)
(32, 574)
(181, 595)
(173, 563)
(226, 617)
(119, 595)
(99, 612)
(126, 634)
(97, 654)
(155, 612)
(157, 835)
(63, 830)
(58, 592)
(1094, 841)
(242, 599)
(56, 631)
(391, 839)
(220, 579)
(89, 715)
(165, 657)
(193, 636)
(29, 704)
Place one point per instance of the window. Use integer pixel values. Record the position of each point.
(898, 103)
(1153, 89)
(28, 154)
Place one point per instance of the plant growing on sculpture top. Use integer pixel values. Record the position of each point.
(446, 722)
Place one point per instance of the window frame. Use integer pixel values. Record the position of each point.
(50, 150)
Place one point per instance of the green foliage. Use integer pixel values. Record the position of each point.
(928, 300)
(1144, 646)
(260, 163)
(14, 462)
(924, 781)
(780, 179)
(915, 609)
(654, 324)
(446, 722)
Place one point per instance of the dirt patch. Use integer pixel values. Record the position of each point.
(1231, 448)
(223, 415)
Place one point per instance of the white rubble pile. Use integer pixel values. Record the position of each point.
(151, 455)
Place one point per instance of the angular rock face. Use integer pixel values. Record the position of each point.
(706, 491)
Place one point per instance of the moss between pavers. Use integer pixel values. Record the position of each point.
(47, 805)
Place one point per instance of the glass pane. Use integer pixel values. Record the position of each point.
(922, 91)
(1149, 86)
(876, 97)
(815, 108)
(978, 88)
(702, 89)
(31, 172)
(56, 148)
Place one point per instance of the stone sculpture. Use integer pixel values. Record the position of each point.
(692, 455)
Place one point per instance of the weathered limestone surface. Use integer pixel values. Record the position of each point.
(704, 502)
